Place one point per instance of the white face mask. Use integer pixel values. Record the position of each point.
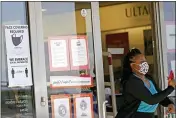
(144, 67)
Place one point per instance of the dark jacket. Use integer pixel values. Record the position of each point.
(134, 91)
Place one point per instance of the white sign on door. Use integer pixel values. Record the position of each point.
(59, 53)
(79, 52)
(83, 106)
(60, 106)
(18, 55)
(70, 81)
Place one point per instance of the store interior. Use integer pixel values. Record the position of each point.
(133, 24)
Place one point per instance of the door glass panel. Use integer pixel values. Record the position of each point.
(18, 101)
(119, 33)
(67, 65)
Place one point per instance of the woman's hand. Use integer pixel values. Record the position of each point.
(171, 83)
(171, 108)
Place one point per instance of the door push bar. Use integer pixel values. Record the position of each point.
(104, 108)
(111, 74)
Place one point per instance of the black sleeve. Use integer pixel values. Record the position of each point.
(164, 102)
(138, 90)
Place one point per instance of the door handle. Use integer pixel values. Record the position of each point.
(43, 101)
(104, 108)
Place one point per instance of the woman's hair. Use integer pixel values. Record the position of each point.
(126, 69)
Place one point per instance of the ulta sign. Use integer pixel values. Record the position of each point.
(137, 11)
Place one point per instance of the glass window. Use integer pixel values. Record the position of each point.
(169, 11)
(18, 101)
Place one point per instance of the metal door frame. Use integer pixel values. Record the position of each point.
(158, 43)
(38, 58)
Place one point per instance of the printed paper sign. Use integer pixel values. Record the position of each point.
(70, 81)
(68, 53)
(18, 55)
(83, 105)
(59, 54)
(170, 36)
(61, 106)
(79, 53)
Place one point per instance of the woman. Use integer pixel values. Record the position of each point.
(141, 95)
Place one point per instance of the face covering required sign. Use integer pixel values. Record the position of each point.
(18, 55)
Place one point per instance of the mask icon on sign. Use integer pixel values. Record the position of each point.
(16, 40)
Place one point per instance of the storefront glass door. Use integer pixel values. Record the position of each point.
(68, 84)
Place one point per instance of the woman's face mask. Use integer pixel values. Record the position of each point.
(140, 64)
(143, 68)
